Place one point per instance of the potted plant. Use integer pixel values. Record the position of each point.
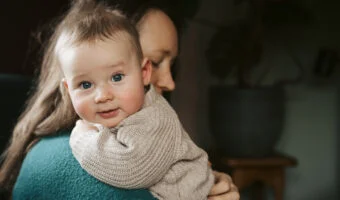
(246, 117)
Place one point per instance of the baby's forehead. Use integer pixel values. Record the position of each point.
(66, 41)
(96, 53)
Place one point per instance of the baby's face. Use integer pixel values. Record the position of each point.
(104, 80)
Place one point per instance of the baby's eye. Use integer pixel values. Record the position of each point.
(85, 85)
(117, 77)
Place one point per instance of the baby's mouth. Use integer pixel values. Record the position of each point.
(109, 113)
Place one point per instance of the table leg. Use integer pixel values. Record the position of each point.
(278, 185)
(258, 190)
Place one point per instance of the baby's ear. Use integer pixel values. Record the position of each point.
(64, 83)
(146, 71)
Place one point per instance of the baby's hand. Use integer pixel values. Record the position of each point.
(80, 130)
(84, 126)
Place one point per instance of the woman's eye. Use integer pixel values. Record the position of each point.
(155, 64)
(117, 77)
(85, 85)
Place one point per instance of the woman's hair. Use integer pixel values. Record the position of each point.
(49, 108)
(135, 10)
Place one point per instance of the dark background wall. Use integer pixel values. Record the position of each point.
(311, 132)
(20, 20)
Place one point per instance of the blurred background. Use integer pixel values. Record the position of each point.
(292, 45)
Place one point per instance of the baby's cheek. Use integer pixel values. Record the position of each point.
(82, 109)
(134, 102)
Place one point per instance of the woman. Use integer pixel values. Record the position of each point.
(49, 168)
(158, 37)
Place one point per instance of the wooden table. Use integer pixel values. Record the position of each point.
(266, 171)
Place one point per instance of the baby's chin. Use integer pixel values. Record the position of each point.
(110, 123)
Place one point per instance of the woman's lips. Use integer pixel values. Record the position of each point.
(109, 113)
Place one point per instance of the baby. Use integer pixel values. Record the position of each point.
(128, 135)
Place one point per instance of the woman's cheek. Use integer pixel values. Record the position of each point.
(154, 80)
(162, 79)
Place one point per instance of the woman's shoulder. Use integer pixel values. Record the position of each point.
(50, 171)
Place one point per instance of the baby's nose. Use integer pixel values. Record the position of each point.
(103, 94)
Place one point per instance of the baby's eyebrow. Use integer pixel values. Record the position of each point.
(77, 79)
(83, 75)
(78, 76)
(119, 64)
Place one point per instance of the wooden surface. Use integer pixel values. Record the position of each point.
(259, 173)
(277, 159)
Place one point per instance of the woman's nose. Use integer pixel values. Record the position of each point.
(103, 94)
(166, 82)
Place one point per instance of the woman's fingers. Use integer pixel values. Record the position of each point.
(224, 188)
(232, 195)
(222, 183)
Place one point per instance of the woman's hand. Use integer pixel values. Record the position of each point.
(224, 188)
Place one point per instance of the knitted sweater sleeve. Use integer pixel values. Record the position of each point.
(135, 155)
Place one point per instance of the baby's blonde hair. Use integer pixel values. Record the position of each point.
(49, 109)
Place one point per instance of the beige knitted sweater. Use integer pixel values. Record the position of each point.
(149, 149)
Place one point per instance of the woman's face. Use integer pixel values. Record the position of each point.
(158, 37)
